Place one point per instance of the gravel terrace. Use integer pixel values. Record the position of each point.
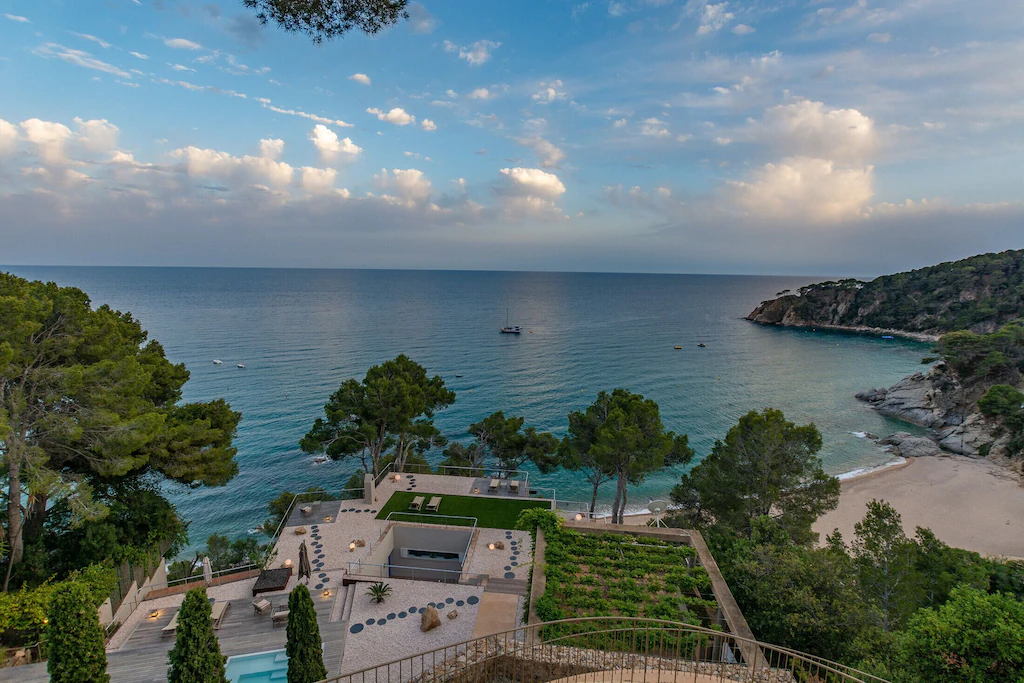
(514, 562)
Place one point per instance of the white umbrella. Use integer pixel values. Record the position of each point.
(207, 571)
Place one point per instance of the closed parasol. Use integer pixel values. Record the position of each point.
(305, 570)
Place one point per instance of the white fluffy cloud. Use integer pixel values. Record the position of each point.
(548, 154)
(49, 138)
(182, 44)
(330, 146)
(802, 189)
(271, 148)
(18, 18)
(806, 128)
(476, 54)
(714, 18)
(8, 136)
(79, 58)
(428, 125)
(318, 180)
(480, 94)
(97, 135)
(408, 187)
(360, 78)
(533, 182)
(549, 92)
(742, 29)
(397, 116)
(224, 167)
(654, 127)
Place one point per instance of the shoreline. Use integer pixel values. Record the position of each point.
(858, 329)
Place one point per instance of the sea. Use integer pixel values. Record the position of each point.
(300, 333)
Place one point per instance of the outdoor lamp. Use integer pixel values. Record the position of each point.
(352, 546)
(490, 546)
(288, 563)
(397, 478)
(155, 614)
(579, 516)
(326, 593)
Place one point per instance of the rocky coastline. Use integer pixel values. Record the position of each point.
(783, 312)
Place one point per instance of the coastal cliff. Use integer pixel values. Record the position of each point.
(972, 310)
(980, 294)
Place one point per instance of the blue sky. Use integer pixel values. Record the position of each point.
(845, 137)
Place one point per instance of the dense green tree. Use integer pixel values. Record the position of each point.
(282, 505)
(625, 440)
(884, 558)
(195, 657)
(328, 19)
(77, 651)
(1006, 404)
(800, 597)
(393, 407)
(84, 398)
(503, 439)
(765, 466)
(939, 568)
(304, 648)
(576, 452)
(974, 638)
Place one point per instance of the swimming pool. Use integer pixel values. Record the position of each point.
(259, 667)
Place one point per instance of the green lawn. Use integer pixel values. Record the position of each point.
(491, 513)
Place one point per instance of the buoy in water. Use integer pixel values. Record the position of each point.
(678, 347)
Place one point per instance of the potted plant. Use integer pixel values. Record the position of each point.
(379, 591)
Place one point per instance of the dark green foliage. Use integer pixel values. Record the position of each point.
(329, 19)
(532, 518)
(74, 637)
(765, 466)
(195, 657)
(974, 638)
(89, 410)
(504, 439)
(305, 647)
(392, 408)
(490, 513)
(620, 437)
(23, 613)
(379, 591)
(282, 505)
(979, 293)
(939, 568)
(223, 553)
(1001, 400)
(994, 357)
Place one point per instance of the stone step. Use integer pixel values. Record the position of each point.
(510, 586)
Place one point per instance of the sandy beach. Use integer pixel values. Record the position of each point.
(968, 503)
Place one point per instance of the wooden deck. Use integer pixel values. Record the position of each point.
(143, 659)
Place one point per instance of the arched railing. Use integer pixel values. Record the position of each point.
(609, 650)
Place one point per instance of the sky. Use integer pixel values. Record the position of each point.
(840, 137)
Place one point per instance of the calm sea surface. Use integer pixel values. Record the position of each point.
(301, 332)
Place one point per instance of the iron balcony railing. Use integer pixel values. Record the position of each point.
(610, 650)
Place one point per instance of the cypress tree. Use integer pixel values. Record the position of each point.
(195, 657)
(305, 649)
(75, 638)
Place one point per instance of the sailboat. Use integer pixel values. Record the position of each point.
(510, 329)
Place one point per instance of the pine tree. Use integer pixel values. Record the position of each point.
(305, 649)
(195, 657)
(75, 638)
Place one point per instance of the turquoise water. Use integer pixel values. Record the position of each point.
(260, 667)
(301, 332)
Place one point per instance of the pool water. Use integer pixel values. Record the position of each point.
(259, 667)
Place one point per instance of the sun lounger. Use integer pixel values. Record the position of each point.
(434, 504)
(260, 607)
(219, 609)
(279, 617)
(513, 486)
(171, 627)
(416, 504)
(306, 509)
(493, 486)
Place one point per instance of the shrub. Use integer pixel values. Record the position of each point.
(195, 657)
(379, 591)
(75, 637)
(305, 648)
(548, 521)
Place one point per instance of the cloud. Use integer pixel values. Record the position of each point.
(654, 127)
(533, 182)
(318, 180)
(807, 128)
(931, 125)
(271, 148)
(409, 186)
(477, 54)
(79, 58)
(85, 36)
(312, 117)
(221, 166)
(360, 78)
(617, 9)
(804, 189)
(713, 18)
(17, 18)
(330, 146)
(182, 44)
(880, 37)
(397, 116)
(547, 153)
(420, 20)
(743, 29)
(480, 94)
(428, 125)
(180, 67)
(139, 55)
(97, 135)
(549, 92)
(49, 139)
(8, 136)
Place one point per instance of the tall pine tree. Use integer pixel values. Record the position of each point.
(75, 638)
(305, 649)
(195, 657)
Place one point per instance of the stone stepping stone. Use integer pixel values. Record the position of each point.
(472, 599)
(460, 603)
(356, 628)
(392, 616)
(449, 600)
(510, 575)
(508, 569)
(402, 615)
(319, 586)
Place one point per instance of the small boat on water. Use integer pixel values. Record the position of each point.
(510, 329)
(887, 336)
(677, 347)
(702, 345)
(217, 361)
(241, 365)
(458, 375)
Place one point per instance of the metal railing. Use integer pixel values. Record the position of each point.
(610, 650)
(457, 471)
(384, 571)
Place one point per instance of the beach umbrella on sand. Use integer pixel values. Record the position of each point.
(207, 571)
(305, 570)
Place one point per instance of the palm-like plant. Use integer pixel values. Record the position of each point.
(379, 591)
